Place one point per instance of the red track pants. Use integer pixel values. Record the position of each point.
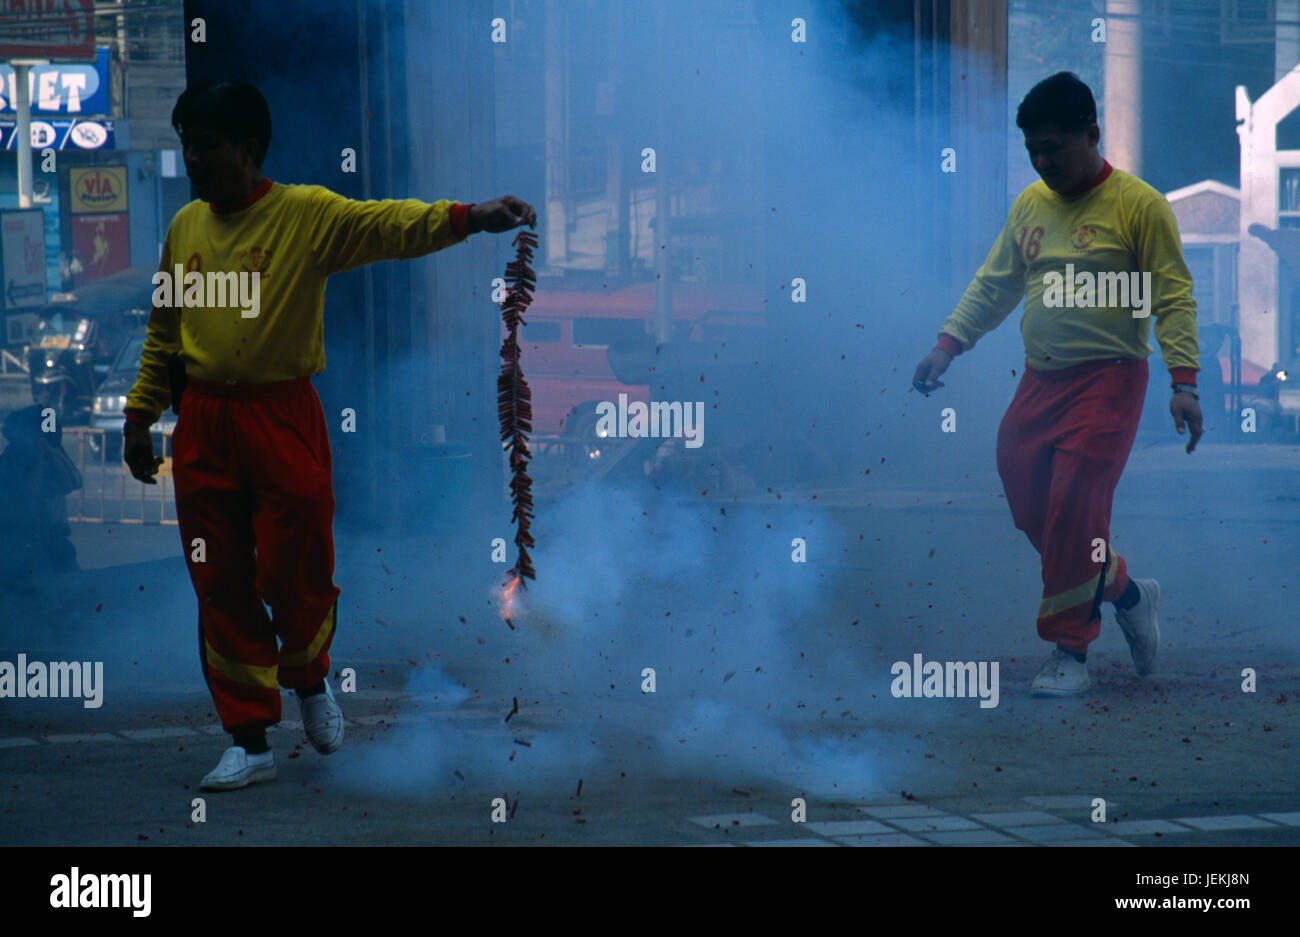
(253, 481)
(1062, 447)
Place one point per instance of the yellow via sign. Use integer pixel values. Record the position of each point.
(100, 189)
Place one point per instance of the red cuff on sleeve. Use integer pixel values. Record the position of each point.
(949, 344)
(460, 219)
(135, 416)
(1182, 376)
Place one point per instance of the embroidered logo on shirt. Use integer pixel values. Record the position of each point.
(255, 260)
(1081, 238)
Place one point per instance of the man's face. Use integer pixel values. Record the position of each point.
(1062, 159)
(215, 165)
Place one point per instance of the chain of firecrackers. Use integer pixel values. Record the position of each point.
(514, 399)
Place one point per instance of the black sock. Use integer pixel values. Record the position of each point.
(1129, 598)
(1081, 658)
(311, 690)
(253, 743)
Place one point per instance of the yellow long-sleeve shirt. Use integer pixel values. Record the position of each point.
(1120, 225)
(294, 237)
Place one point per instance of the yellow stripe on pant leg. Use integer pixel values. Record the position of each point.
(242, 673)
(1063, 601)
(303, 658)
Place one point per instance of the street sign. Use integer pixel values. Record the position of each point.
(22, 267)
(62, 134)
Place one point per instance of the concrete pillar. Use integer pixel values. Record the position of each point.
(1121, 131)
(554, 220)
(450, 153)
(23, 106)
(977, 87)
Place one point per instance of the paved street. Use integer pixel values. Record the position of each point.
(772, 680)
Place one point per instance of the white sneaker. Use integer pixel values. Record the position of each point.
(238, 768)
(1141, 625)
(1061, 675)
(323, 720)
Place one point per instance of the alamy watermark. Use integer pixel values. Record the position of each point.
(946, 679)
(78, 890)
(658, 418)
(1106, 290)
(55, 680)
(212, 290)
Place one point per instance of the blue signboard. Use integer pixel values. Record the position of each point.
(62, 134)
(61, 90)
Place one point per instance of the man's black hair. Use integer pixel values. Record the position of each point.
(1062, 100)
(234, 110)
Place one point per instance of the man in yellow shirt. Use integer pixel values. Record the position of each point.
(1095, 252)
(238, 325)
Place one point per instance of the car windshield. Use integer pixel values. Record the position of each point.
(56, 323)
(129, 358)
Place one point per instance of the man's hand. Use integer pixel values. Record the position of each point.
(137, 452)
(501, 214)
(928, 371)
(1186, 412)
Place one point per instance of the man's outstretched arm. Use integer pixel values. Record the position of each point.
(346, 234)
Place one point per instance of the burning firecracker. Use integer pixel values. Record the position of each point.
(515, 409)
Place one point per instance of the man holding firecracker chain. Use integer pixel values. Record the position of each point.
(1066, 437)
(251, 461)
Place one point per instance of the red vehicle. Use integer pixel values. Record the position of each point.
(569, 334)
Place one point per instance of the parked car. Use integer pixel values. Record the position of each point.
(78, 336)
(570, 336)
(61, 362)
